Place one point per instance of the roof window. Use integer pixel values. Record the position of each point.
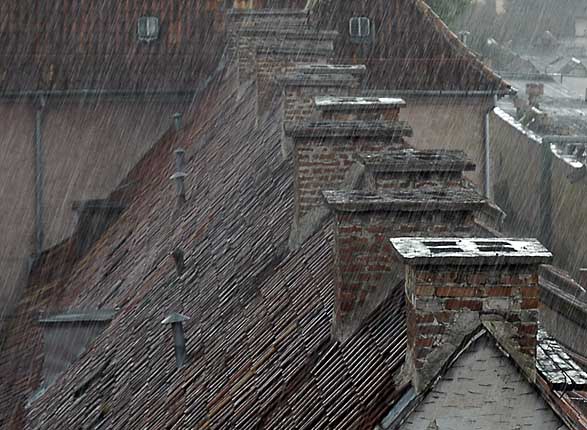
(148, 28)
(360, 29)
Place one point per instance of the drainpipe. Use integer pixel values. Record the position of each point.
(40, 104)
(487, 139)
(546, 193)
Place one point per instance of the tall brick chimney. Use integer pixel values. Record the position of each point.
(301, 84)
(455, 286)
(275, 58)
(323, 154)
(366, 271)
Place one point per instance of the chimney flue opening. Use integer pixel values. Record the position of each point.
(176, 320)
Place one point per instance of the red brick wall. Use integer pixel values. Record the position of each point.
(436, 297)
(366, 270)
(269, 66)
(298, 100)
(323, 164)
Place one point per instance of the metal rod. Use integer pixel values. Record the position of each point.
(39, 172)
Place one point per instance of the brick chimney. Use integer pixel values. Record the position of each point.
(366, 271)
(455, 286)
(276, 57)
(301, 84)
(237, 19)
(323, 154)
(411, 168)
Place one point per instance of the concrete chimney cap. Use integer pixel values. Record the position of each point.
(470, 251)
(175, 318)
(339, 102)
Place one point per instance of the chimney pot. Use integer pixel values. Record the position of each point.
(176, 320)
(456, 285)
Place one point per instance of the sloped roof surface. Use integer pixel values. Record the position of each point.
(260, 353)
(93, 44)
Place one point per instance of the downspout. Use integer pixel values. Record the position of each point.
(40, 104)
(487, 144)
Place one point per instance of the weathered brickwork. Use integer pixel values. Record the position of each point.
(445, 304)
(366, 271)
(270, 65)
(399, 180)
(322, 164)
(298, 97)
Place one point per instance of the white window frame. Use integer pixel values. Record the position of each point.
(151, 26)
(365, 28)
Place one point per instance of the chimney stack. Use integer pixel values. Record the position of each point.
(454, 286)
(323, 153)
(365, 270)
(303, 83)
(275, 58)
(411, 168)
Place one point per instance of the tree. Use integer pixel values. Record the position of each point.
(449, 10)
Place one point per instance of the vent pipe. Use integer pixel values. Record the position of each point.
(177, 120)
(176, 321)
(179, 175)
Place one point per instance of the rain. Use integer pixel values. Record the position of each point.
(293, 214)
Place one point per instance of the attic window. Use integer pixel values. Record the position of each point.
(360, 29)
(148, 28)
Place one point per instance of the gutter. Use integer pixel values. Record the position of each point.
(96, 93)
(446, 93)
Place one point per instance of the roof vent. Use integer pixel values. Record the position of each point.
(176, 321)
(179, 175)
(177, 120)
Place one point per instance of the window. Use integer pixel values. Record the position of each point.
(148, 28)
(360, 29)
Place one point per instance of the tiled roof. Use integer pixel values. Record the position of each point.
(74, 45)
(260, 354)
